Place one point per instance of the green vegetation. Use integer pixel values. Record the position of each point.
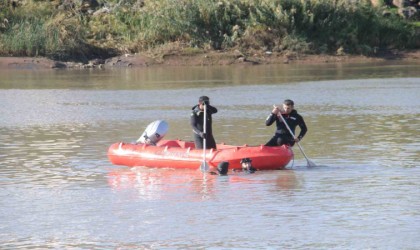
(46, 28)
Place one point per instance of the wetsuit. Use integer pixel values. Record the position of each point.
(197, 124)
(282, 135)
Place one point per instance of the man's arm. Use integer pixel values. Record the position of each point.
(211, 109)
(303, 128)
(270, 119)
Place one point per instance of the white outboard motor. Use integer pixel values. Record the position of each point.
(154, 132)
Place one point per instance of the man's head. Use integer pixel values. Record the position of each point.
(247, 165)
(223, 168)
(204, 99)
(288, 106)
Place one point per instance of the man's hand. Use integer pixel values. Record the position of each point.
(276, 110)
(203, 135)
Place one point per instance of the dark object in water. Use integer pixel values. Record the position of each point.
(223, 168)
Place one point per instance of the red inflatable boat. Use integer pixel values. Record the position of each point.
(182, 154)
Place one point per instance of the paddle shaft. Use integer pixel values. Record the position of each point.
(204, 131)
(204, 166)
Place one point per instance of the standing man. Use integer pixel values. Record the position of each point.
(197, 123)
(292, 118)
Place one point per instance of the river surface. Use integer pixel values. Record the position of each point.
(59, 191)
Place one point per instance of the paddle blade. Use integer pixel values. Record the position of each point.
(311, 164)
(204, 167)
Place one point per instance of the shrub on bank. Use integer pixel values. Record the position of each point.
(76, 31)
(39, 29)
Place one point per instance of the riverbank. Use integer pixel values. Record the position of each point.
(180, 58)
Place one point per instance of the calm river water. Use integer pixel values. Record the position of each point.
(59, 191)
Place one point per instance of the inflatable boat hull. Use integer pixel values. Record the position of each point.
(182, 154)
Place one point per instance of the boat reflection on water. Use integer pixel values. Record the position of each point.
(181, 184)
(158, 183)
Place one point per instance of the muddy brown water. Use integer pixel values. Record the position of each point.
(59, 191)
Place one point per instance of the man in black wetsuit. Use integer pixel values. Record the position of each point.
(292, 118)
(197, 123)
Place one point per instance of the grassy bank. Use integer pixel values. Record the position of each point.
(80, 32)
